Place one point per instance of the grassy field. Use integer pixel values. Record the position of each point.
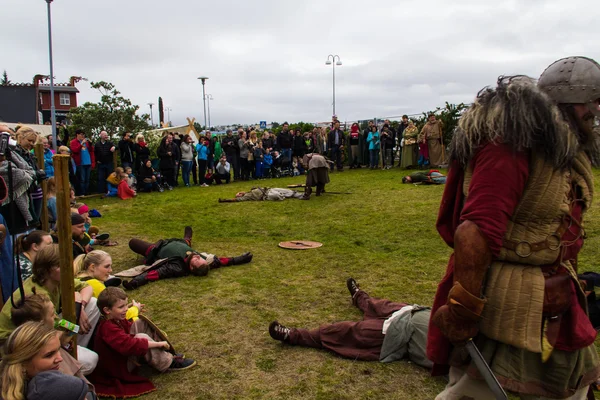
(383, 234)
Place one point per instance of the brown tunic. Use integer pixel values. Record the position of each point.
(433, 133)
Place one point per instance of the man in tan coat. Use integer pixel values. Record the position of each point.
(433, 134)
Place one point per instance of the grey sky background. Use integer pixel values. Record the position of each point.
(266, 58)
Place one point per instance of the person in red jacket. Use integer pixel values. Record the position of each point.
(82, 153)
(120, 342)
(123, 190)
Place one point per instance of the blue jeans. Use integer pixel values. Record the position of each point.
(374, 158)
(104, 170)
(259, 169)
(83, 176)
(287, 153)
(186, 169)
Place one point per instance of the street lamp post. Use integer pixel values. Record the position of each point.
(169, 109)
(151, 115)
(331, 61)
(203, 79)
(52, 107)
(209, 98)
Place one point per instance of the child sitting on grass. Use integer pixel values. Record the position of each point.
(123, 190)
(120, 342)
(131, 179)
(113, 181)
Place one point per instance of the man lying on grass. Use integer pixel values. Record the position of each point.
(264, 193)
(172, 258)
(388, 332)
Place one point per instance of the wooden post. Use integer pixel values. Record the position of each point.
(63, 223)
(115, 159)
(39, 154)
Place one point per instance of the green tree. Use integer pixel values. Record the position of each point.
(113, 113)
(4, 81)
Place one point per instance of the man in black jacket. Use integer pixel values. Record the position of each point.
(388, 140)
(168, 152)
(336, 143)
(126, 149)
(173, 258)
(284, 141)
(229, 145)
(104, 152)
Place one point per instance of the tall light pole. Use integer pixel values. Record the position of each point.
(151, 115)
(52, 108)
(331, 61)
(209, 98)
(203, 79)
(168, 110)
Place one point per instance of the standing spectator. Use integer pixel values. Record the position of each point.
(299, 149)
(48, 161)
(366, 152)
(81, 151)
(433, 134)
(387, 145)
(321, 141)
(187, 156)
(222, 171)
(401, 127)
(51, 203)
(259, 155)
(104, 152)
(354, 142)
(142, 152)
(126, 150)
(177, 141)
(202, 148)
(26, 139)
(373, 140)
(230, 146)
(336, 145)
(267, 141)
(167, 152)
(251, 144)
(410, 151)
(284, 141)
(210, 159)
(244, 157)
(423, 159)
(237, 165)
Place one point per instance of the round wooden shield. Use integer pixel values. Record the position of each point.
(300, 245)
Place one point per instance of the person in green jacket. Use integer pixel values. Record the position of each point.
(388, 332)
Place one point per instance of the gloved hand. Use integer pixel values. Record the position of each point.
(459, 318)
(40, 175)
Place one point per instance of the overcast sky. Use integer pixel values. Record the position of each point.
(266, 58)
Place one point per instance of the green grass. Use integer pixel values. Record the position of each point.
(383, 234)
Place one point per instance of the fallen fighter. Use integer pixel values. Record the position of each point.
(388, 332)
(173, 258)
(264, 193)
(431, 177)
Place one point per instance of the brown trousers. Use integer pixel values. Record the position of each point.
(356, 340)
(159, 359)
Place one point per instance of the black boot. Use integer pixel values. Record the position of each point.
(320, 189)
(307, 192)
(136, 282)
(243, 259)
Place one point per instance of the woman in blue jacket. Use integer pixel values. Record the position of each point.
(373, 140)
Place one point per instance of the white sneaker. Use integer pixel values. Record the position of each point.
(204, 185)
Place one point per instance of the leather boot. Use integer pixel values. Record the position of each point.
(227, 200)
(320, 188)
(307, 192)
(187, 234)
(243, 259)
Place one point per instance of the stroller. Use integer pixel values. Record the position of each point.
(282, 166)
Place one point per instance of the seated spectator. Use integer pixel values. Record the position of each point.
(209, 178)
(124, 192)
(28, 246)
(175, 258)
(222, 171)
(388, 332)
(258, 194)
(95, 269)
(39, 308)
(31, 356)
(46, 280)
(78, 233)
(113, 181)
(117, 340)
(131, 179)
(148, 178)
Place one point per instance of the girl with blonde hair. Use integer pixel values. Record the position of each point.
(95, 269)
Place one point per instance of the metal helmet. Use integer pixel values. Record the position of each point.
(573, 80)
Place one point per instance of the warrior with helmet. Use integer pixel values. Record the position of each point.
(519, 184)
